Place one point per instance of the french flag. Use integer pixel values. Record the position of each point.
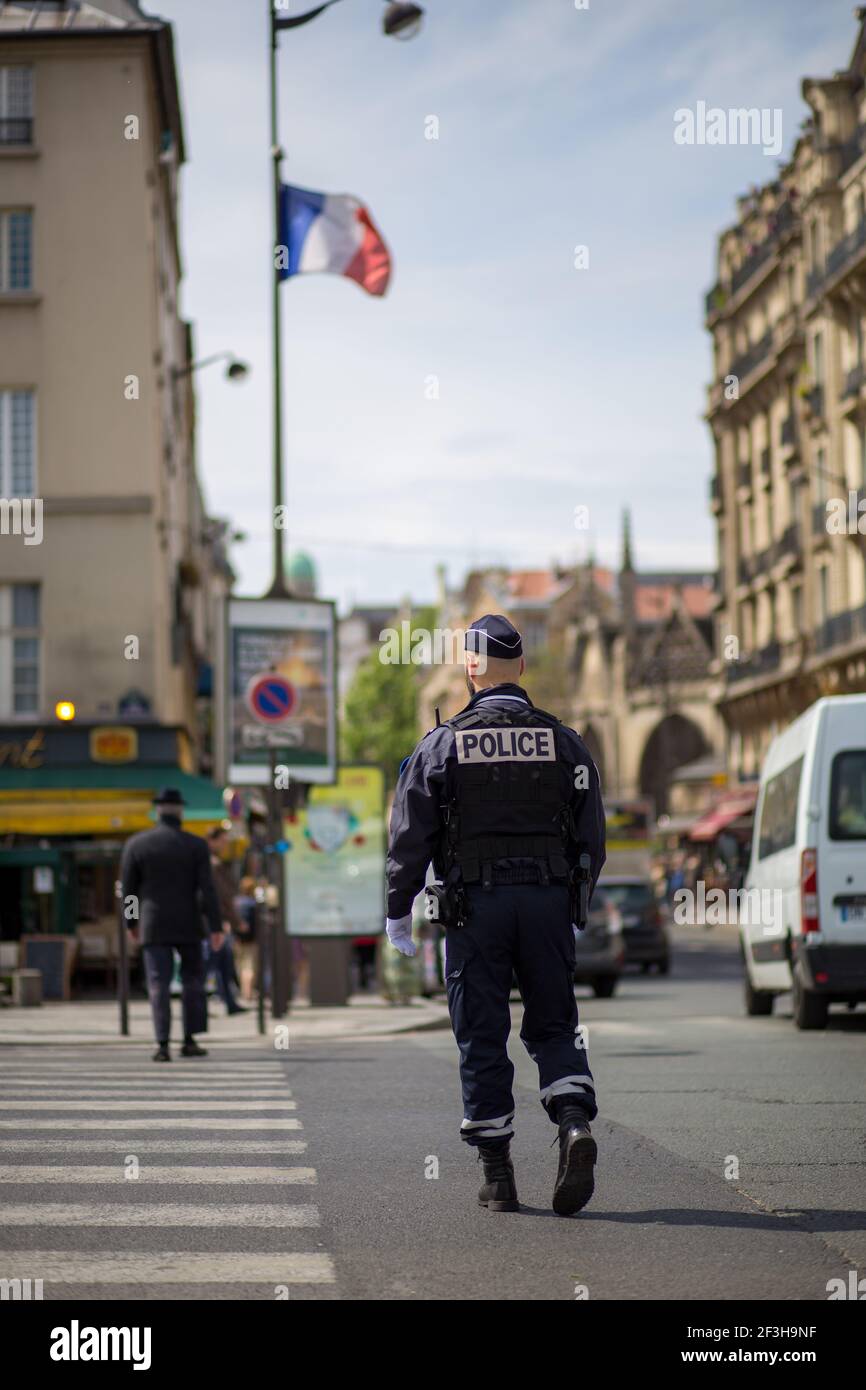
(331, 232)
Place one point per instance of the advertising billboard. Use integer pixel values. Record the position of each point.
(280, 670)
(335, 868)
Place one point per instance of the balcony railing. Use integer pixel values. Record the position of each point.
(789, 543)
(16, 130)
(814, 281)
(814, 401)
(760, 663)
(714, 300)
(841, 628)
(854, 379)
(783, 220)
(852, 149)
(752, 357)
(848, 248)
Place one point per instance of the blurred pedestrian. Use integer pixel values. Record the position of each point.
(245, 936)
(221, 960)
(166, 877)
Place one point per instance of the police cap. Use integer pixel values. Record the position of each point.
(494, 636)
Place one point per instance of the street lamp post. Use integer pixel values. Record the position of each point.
(399, 21)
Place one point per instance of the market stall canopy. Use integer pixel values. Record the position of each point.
(737, 803)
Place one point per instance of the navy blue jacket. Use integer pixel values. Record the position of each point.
(423, 788)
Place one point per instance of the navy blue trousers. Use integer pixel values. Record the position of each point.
(523, 930)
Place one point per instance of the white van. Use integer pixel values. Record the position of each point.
(809, 861)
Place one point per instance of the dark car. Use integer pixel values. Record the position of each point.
(599, 953)
(644, 931)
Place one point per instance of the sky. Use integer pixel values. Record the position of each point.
(496, 388)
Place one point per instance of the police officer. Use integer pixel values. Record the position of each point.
(505, 801)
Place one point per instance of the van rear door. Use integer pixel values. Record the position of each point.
(842, 844)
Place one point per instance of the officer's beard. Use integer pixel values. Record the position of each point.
(470, 686)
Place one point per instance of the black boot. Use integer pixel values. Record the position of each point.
(498, 1192)
(191, 1049)
(577, 1154)
(162, 1053)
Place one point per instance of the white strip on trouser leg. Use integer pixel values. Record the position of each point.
(500, 1128)
(567, 1086)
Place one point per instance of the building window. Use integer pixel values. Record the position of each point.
(16, 250)
(16, 105)
(797, 609)
(822, 479)
(818, 359)
(17, 444)
(823, 594)
(19, 649)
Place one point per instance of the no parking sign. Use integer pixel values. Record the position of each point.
(271, 698)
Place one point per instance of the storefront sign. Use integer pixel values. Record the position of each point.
(114, 744)
(23, 752)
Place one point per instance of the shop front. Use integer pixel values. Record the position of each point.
(70, 796)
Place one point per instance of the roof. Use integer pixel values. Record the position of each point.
(37, 16)
(28, 20)
(654, 602)
(538, 585)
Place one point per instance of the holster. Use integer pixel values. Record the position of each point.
(579, 882)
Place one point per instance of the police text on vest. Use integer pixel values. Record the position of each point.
(524, 745)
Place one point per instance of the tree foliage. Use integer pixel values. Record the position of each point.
(380, 722)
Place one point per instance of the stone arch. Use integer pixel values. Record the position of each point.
(675, 740)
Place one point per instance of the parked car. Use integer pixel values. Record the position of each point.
(599, 950)
(809, 863)
(644, 931)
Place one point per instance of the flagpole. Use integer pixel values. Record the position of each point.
(278, 583)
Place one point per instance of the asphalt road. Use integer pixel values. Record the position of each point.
(732, 1163)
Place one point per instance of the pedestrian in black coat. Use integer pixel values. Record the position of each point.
(168, 890)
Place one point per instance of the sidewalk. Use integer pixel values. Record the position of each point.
(77, 1022)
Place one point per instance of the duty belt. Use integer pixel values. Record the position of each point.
(477, 859)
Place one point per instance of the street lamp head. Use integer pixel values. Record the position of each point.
(402, 21)
(236, 370)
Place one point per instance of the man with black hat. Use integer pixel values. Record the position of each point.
(166, 879)
(505, 801)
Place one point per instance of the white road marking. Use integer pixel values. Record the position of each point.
(46, 1103)
(209, 1122)
(247, 1214)
(120, 1146)
(116, 1173)
(170, 1267)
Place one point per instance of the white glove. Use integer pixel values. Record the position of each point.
(399, 930)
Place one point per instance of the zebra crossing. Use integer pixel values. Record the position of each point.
(121, 1179)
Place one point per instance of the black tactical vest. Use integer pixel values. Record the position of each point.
(507, 797)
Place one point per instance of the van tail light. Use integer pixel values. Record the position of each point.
(809, 891)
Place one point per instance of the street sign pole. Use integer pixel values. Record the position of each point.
(122, 970)
(280, 944)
